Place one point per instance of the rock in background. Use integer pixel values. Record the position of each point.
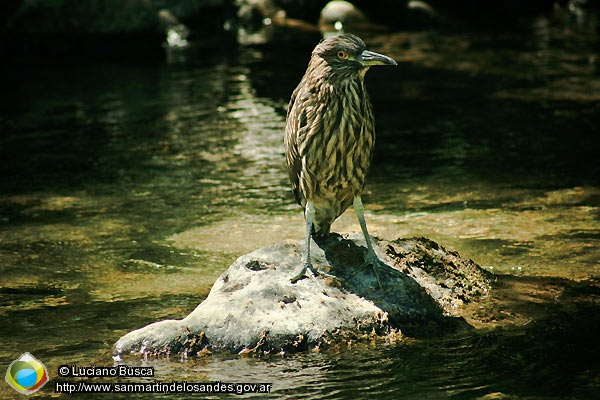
(118, 28)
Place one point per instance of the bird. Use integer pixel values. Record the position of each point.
(329, 139)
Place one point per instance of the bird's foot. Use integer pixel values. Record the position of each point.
(374, 262)
(316, 272)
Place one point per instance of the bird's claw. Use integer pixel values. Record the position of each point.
(376, 264)
(316, 272)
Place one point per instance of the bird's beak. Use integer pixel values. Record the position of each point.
(368, 58)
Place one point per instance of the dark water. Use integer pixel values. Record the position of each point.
(127, 188)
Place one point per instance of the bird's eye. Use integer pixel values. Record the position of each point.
(342, 55)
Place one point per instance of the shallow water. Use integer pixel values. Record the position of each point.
(127, 188)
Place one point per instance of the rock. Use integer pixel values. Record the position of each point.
(176, 32)
(338, 13)
(253, 307)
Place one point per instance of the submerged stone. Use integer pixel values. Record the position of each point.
(254, 308)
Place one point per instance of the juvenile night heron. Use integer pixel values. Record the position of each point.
(329, 138)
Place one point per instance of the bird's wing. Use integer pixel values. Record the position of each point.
(292, 154)
(301, 123)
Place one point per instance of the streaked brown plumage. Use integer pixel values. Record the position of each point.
(330, 134)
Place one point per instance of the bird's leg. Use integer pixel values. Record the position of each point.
(371, 258)
(307, 264)
(309, 214)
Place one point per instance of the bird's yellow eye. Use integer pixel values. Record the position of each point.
(342, 55)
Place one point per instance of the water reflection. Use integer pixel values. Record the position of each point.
(127, 189)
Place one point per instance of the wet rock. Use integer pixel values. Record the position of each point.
(253, 307)
(420, 14)
(337, 14)
(252, 13)
(176, 32)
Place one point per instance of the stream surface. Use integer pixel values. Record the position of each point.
(127, 188)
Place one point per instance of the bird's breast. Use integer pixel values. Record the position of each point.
(339, 152)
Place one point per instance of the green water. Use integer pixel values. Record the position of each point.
(128, 188)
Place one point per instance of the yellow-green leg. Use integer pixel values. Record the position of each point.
(309, 214)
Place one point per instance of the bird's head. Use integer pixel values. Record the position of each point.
(348, 55)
